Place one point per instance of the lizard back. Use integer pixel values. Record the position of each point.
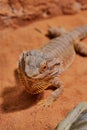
(63, 46)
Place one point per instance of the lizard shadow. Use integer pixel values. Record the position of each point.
(16, 98)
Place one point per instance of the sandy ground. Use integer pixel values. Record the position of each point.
(19, 110)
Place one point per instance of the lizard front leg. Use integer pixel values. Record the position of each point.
(59, 87)
(55, 94)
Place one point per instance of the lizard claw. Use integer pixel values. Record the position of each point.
(46, 102)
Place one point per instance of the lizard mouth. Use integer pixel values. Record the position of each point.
(33, 86)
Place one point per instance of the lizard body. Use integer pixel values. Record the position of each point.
(38, 69)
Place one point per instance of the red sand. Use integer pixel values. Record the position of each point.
(19, 110)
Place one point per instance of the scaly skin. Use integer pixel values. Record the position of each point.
(76, 119)
(39, 69)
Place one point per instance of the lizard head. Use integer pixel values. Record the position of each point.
(36, 65)
(36, 70)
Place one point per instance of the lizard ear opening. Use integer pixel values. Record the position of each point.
(58, 64)
(54, 62)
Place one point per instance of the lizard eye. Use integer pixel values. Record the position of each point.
(43, 67)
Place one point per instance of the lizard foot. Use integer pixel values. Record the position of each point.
(46, 102)
(54, 96)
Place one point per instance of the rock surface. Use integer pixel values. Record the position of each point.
(21, 12)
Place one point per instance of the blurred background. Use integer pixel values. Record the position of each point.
(21, 12)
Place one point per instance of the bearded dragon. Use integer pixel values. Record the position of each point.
(39, 69)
